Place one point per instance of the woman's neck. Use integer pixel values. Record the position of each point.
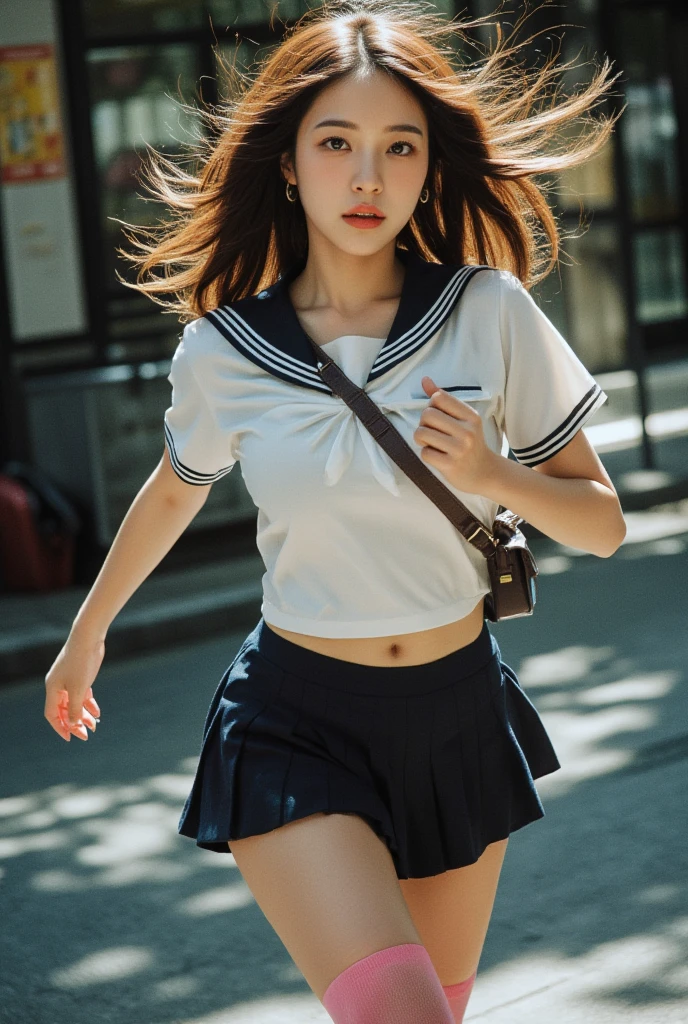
(345, 284)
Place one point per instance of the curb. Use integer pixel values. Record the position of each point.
(201, 616)
(638, 501)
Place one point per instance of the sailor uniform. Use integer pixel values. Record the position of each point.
(352, 547)
(439, 758)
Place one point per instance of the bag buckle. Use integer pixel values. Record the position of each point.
(485, 531)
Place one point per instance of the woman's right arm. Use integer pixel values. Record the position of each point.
(158, 516)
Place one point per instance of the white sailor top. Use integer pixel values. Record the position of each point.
(351, 546)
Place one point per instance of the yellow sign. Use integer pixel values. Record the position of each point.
(31, 137)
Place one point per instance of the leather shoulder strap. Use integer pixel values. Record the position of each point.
(389, 438)
(395, 445)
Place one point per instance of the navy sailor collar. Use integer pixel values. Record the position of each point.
(266, 329)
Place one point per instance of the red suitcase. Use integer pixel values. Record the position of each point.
(37, 533)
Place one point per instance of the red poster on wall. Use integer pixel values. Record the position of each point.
(31, 134)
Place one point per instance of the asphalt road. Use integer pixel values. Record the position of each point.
(107, 915)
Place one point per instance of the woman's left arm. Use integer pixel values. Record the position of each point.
(569, 497)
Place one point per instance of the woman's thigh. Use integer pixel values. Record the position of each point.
(452, 912)
(327, 885)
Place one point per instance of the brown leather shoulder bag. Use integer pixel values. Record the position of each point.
(510, 563)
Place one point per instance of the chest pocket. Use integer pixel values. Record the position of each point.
(466, 392)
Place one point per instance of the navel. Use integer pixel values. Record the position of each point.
(394, 650)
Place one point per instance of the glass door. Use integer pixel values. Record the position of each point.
(649, 45)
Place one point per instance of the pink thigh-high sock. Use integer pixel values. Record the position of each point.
(458, 996)
(396, 985)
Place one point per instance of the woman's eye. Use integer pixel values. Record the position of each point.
(333, 138)
(411, 147)
(338, 138)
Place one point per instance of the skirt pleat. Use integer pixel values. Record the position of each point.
(446, 842)
(216, 791)
(531, 752)
(309, 786)
(439, 759)
(394, 739)
(422, 816)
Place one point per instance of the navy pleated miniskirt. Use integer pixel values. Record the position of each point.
(438, 758)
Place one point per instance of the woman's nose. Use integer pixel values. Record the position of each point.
(367, 178)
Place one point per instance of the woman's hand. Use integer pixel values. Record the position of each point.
(69, 702)
(158, 516)
(452, 437)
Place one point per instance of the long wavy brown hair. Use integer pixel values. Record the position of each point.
(495, 124)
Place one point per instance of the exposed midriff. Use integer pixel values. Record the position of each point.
(405, 649)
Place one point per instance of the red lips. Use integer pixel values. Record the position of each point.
(364, 208)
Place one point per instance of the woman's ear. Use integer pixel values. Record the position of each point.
(287, 169)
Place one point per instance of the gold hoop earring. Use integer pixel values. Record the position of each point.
(291, 196)
(427, 195)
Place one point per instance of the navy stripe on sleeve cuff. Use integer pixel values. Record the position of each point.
(534, 454)
(190, 476)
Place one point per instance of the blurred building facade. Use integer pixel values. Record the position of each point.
(85, 84)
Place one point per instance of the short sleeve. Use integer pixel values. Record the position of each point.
(199, 450)
(549, 394)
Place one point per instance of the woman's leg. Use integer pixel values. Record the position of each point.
(327, 885)
(451, 912)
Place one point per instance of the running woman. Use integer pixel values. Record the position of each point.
(367, 753)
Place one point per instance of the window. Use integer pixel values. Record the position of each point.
(122, 17)
(133, 90)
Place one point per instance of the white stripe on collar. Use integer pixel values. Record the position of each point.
(409, 342)
(265, 327)
(260, 351)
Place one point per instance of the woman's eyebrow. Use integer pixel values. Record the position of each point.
(334, 123)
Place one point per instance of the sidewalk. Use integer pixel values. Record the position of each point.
(190, 603)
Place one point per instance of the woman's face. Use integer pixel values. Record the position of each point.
(376, 154)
